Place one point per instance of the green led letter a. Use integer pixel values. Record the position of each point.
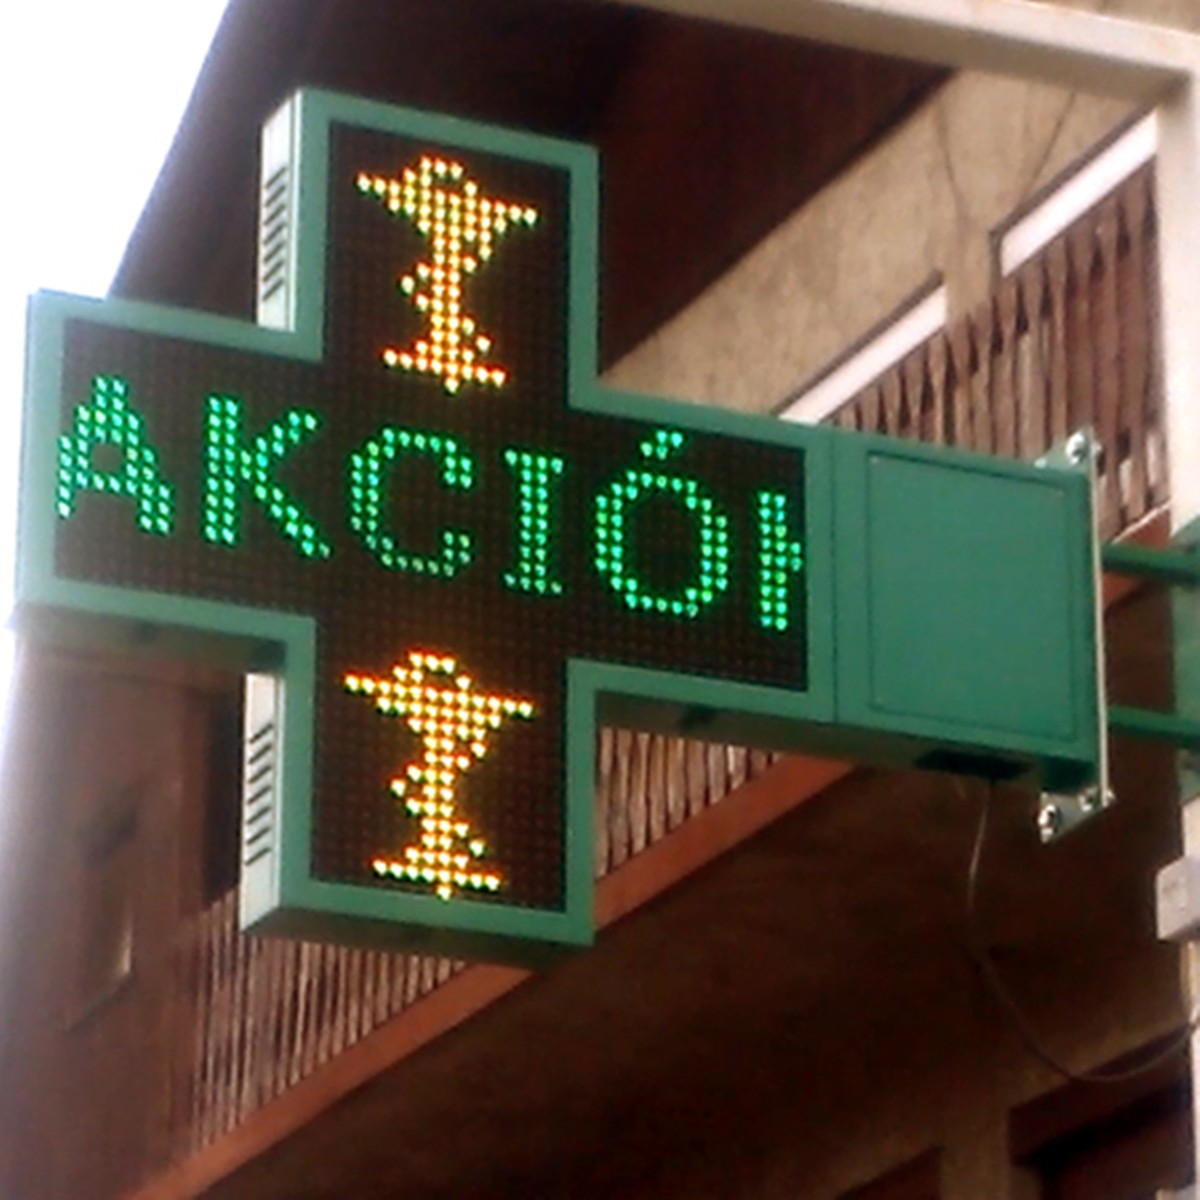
(109, 420)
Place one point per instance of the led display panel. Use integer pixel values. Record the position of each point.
(440, 552)
(434, 490)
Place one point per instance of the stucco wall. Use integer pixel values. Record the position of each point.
(924, 201)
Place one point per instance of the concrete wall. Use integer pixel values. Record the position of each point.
(925, 201)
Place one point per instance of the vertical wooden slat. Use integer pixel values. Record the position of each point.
(290, 984)
(334, 961)
(1106, 340)
(676, 782)
(913, 388)
(760, 760)
(283, 987)
(397, 983)
(639, 778)
(696, 772)
(938, 384)
(1031, 374)
(618, 813)
(383, 987)
(1056, 282)
(412, 979)
(396, 973)
(268, 1051)
(980, 335)
(429, 976)
(1135, 335)
(370, 975)
(716, 782)
(326, 1002)
(370, 996)
(605, 779)
(961, 415)
(869, 406)
(1080, 373)
(355, 987)
(335, 966)
(736, 757)
(1001, 347)
(890, 395)
(310, 1032)
(304, 1045)
(339, 1039)
(251, 1032)
(656, 788)
(410, 991)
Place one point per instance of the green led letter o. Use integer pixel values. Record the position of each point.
(612, 556)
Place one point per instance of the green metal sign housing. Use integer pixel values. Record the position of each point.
(441, 553)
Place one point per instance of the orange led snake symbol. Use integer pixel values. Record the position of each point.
(462, 228)
(440, 705)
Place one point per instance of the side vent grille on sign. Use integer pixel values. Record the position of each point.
(273, 244)
(258, 790)
(276, 307)
(262, 785)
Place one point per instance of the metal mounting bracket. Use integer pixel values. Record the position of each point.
(1060, 813)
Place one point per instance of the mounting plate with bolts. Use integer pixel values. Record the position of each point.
(1061, 812)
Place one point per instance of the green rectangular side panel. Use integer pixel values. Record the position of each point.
(964, 608)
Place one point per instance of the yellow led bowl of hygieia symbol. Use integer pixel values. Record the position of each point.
(461, 226)
(455, 723)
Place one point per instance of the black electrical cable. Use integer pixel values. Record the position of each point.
(987, 968)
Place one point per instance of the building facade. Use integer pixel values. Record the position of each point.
(813, 980)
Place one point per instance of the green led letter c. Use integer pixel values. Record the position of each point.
(110, 420)
(366, 470)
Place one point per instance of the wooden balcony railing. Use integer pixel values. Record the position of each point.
(264, 1014)
(269, 1012)
(1069, 341)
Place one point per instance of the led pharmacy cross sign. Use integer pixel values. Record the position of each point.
(439, 552)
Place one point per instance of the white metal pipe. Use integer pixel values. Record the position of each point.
(1178, 179)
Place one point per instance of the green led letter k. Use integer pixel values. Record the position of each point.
(229, 463)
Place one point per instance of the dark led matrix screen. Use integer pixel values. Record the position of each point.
(426, 494)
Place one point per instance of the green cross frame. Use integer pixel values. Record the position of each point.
(402, 506)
